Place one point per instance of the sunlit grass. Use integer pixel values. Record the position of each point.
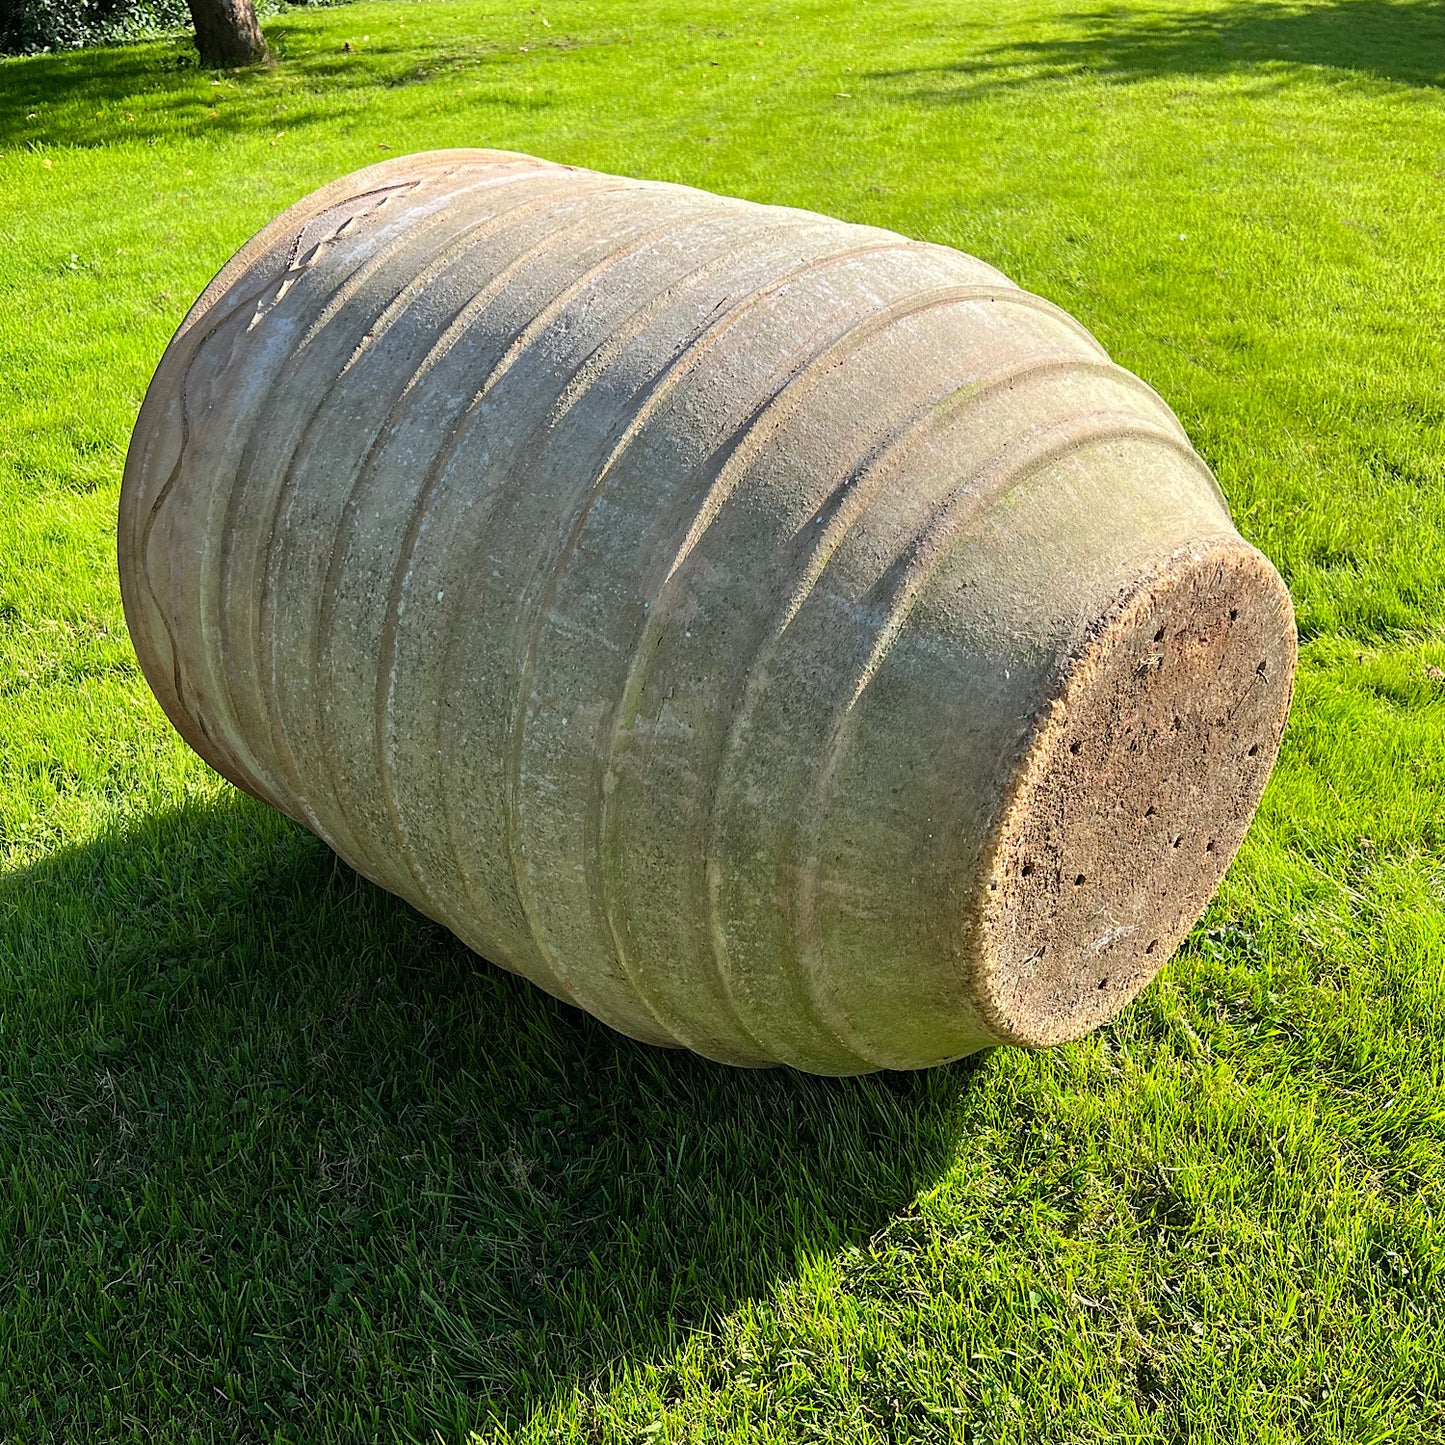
(277, 1161)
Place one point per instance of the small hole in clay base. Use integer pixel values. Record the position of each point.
(1026, 870)
(1234, 614)
(1149, 811)
(1153, 944)
(1159, 636)
(1253, 749)
(993, 887)
(1075, 746)
(1078, 879)
(1209, 846)
(1103, 983)
(1176, 725)
(1177, 841)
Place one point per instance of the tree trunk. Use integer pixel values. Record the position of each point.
(227, 33)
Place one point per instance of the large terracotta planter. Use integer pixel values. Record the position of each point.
(775, 636)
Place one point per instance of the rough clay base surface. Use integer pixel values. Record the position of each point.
(1135, 794)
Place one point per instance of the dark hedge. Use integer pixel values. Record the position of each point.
(30, 26)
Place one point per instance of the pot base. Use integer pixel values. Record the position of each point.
(1135, 793)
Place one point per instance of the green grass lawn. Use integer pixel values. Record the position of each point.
(280, 1161)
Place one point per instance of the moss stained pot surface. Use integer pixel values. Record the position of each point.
(776, 636)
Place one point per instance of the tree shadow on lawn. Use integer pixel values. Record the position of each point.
(153, 90)
(1396, 40)
(279, 1149)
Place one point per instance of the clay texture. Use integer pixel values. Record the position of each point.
(776, 636)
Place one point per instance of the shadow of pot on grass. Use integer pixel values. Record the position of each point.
(280, 1150)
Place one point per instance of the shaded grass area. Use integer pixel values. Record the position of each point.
(280, 1161)
(1393, 40)
(319, 1159)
